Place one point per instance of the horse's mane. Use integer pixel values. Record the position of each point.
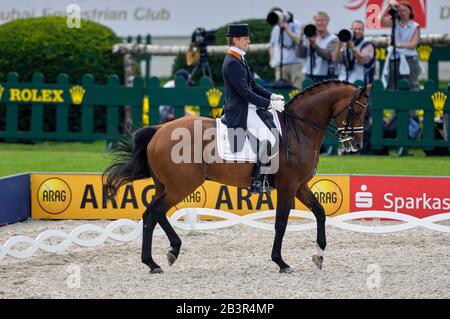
(319, 84)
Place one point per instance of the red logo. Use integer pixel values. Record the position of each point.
(354, 4)
(416, 196)
(374, 8)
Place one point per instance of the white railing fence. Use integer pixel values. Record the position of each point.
(188, 219)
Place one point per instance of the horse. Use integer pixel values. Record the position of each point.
(304, 125)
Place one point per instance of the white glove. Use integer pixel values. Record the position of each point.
(276, 97)
(277, 106)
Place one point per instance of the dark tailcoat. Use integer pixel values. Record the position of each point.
(240, 90)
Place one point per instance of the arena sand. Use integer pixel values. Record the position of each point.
(234, 263)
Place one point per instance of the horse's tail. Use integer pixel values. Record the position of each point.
(131, 160)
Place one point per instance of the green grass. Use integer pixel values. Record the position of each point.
(93, 157)
(53, 157)
(385, 165)
(443, 84)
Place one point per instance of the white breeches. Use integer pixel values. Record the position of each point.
(257, 128)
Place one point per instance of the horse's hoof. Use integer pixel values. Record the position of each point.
(287, 270)
(318, 261)
(156, 271)
(171, 258)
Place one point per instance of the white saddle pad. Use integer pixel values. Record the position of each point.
(246, 154)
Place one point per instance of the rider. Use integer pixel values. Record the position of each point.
(246, 103)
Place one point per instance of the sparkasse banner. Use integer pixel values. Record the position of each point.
(180, 18)
(416, 196)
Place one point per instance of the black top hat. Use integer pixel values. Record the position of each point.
(238, 30)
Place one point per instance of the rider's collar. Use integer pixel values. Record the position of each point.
(238, 51)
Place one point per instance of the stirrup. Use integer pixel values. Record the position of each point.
(266, 185)
(260, 186)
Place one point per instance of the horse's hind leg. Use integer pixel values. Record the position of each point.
(156, 213)
(174, 239)
(149, 219)
(306, 196)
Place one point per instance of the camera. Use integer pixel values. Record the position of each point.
(345, 35)
(393, 11)
(310, 30)
(203, 38)
(278, 17)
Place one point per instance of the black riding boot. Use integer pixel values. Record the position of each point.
(260, 182)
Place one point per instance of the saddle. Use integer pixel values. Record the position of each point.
(241, 149)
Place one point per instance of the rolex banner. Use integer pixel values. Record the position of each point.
(82, 196)
(49, 93)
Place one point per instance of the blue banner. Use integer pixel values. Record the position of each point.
(15, 201)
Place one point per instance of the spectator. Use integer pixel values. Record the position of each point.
(407, 36)
(405, 64)
(282, 52)
(167, 112)
(355, 58)
(317, 50)
(356, 61)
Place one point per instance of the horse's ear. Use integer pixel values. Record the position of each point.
(367, 89)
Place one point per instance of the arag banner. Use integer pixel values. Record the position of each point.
(82, 196)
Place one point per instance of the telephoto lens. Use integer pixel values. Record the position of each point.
(310, 30)
(279, 17)
(344, 35)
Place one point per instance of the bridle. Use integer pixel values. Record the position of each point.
(348, 132)
(342, 134)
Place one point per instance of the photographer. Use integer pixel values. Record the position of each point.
(197, 53)
(285, 34)
(355, 56)
(406, 33)
(317, 49)
(356, 61)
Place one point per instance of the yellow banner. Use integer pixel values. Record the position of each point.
(81, 196)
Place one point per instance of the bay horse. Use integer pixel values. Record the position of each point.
(304, 125)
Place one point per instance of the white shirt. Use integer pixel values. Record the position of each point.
(238, 51)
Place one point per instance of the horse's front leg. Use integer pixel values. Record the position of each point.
(306, 196)
(285, 196)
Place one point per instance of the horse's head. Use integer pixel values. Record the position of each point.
(349, 116)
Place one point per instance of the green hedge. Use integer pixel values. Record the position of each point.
(48, 46)
(259, 62)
